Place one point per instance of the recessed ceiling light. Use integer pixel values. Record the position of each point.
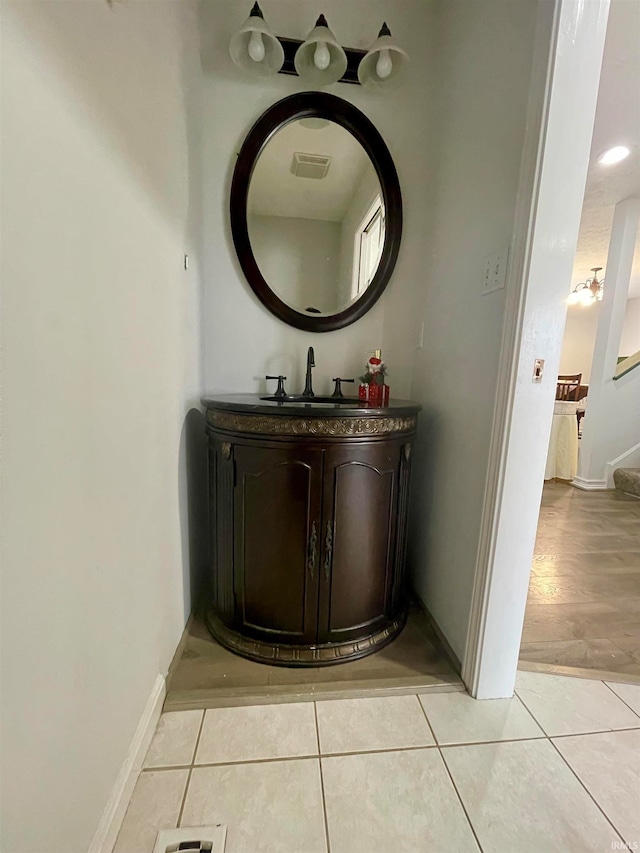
(614, 155)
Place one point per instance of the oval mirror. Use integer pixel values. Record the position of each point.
(316, 211)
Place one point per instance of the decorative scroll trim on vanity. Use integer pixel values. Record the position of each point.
(286, 655)
(267, 425)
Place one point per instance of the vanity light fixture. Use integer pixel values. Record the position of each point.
(254, 47)
(320, 60)
(384, 64)
(614, 155)
(588, 292)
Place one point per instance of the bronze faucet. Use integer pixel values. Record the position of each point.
(308, 390)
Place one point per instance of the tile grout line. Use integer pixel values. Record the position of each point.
(301, 757)
(437, 744)
(446, 767)
(598, 732)
(491, 742)
(621, 699)
(577, 734)
(324, 802)
(533, 716)
(424, 713)
(379, 751)
(193, 758)
(517, 696)
(464, 808)
(596, 803)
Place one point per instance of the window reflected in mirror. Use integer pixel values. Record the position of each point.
(315, 216)
(368, 247)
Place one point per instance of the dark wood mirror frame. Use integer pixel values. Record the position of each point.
(320, 105)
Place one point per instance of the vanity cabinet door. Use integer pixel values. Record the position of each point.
(277, 542)
(358, 561)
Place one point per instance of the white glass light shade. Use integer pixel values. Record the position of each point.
(320, 60)
(254, 48)
(384, 65)
(588, 292)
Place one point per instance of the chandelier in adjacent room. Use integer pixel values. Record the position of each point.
(588, 292)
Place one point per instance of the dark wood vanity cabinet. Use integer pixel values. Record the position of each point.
(277, 507)
(359, 517)
(307, 540)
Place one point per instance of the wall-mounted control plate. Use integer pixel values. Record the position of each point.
(538, 370)
(495, 271)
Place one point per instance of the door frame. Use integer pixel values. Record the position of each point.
(567, 58)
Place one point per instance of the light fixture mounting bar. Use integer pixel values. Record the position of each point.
(354, 57)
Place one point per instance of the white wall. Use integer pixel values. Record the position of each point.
(579, 339)
(580, 336)
(302, 256)
(101, 361)
(481, 84)
(630, 338)
(243, 341)
(611, 430)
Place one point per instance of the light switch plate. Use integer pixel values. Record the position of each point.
(494, 271)
(538, 370)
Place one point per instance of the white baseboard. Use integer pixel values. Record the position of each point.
(114, 812)
(589, 485)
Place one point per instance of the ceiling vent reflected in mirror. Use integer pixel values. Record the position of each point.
(310, 165)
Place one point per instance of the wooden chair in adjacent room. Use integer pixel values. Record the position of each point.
(568, 387)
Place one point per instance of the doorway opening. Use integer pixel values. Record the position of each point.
(581, 613)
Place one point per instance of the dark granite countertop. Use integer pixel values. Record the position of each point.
(345, 407)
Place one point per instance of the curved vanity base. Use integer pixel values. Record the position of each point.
(308, 527)
(279, 654)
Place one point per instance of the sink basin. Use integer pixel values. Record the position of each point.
(301, 398)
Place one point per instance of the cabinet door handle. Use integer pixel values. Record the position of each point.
(313, 540)
(328, 550)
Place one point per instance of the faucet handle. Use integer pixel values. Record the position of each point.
(337, 391)
(280, 392)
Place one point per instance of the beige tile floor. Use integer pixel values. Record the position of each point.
(555, 768)
(583, 608)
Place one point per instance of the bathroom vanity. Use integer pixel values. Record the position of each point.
(308, 496)
(308, 523)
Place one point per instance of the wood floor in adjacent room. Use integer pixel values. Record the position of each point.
(583, 609)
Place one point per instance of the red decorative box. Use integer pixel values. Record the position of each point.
(375, 395)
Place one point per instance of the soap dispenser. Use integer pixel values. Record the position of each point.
(373, 388)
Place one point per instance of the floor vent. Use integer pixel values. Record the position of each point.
(192, 839)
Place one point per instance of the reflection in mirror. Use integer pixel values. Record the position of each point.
(315, 214)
